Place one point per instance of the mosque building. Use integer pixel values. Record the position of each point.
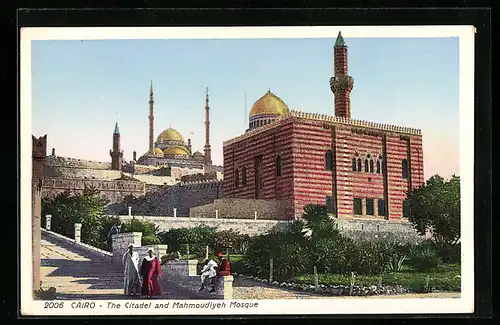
(358, 169)
(170, 149)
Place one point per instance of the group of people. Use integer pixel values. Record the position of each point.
(211, 270)
(150, 271)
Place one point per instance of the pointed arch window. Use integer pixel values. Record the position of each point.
(328, 160)
(378, 166)
(404, 166)
(359, 164)
(366, 165)
(244, 176)
(236, 178)
(371, 165)
(278, 165)
(354, 167)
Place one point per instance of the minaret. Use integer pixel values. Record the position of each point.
(151, 118)
(116, 154)
(341, 84)
(208, 154)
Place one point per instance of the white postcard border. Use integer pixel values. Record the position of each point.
(464, 304)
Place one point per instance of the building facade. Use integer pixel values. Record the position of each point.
(358, 169)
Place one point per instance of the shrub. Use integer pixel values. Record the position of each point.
(424, 258)
(232, 239)
(450, 253)
(150, 240)
(196, 239)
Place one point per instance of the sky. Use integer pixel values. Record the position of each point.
(80, 89)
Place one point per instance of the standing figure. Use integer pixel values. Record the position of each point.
(209, 271)
(150, 271)
(132, 282)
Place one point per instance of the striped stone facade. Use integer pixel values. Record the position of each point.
(319, 164)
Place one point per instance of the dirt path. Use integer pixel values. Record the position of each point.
(250, 289)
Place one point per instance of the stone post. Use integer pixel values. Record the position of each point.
(48, 219)
(78, 232)
(175, 212)
(216, 214)
(225, 287)
(129, 211)
(255, 215)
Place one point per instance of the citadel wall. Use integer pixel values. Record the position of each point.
(113, 190)
(161, 201)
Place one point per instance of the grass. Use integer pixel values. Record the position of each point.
(444, 278)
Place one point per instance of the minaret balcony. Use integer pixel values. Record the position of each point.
(339, 83)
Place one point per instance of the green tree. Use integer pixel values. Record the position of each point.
(88, 208)
(436, 205)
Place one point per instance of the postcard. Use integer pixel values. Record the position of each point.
(247, 170)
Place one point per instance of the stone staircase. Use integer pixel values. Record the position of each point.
(75, 270)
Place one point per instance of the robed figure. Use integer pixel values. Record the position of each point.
(150, 271)
(132, 282)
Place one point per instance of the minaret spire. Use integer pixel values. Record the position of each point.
(116, 154)
(151, 118)
(208, 151)
(341, 83)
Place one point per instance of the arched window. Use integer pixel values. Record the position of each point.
(366, 165)
(354, 164)
(359, 164)
(328, 160)
(244, 176)
(371, 165)
(378, 166)
(404, 166)
(236, 178)
(278, 165)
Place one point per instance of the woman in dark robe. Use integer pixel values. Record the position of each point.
(150, 271)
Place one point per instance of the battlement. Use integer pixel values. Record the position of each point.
(201, 184)
(57, 161)
(329, 119)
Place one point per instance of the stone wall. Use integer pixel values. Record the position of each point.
(84, 173)
(356, 229)
(113, 190)
(55, 161)
(245, 226)
(233, 208)
(163, 200)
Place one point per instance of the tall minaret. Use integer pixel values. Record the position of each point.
(208, 152)
(341, 84)
(151, 118)
(116, 154)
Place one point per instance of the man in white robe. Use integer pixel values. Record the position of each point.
(132, 282)
(209, 271)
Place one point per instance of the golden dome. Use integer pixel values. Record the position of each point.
(269, 104)
(176, 150)
(157, 152)
(170, 135)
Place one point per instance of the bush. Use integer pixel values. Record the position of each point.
(195, 239)
(424, 258)
(450, 253)
(147, 228)
(232, 239)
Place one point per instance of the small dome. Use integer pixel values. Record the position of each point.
(170, 134)
(198, 155)
(157, 152)
(176, 150)
(269, 104)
